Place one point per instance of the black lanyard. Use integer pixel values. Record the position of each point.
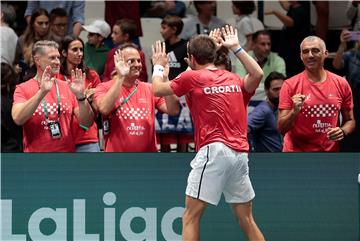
(58, 102)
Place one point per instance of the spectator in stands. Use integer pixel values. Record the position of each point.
(58, 24)
(353, 13)
(175, 129)
(268, 61)
(245, 23)
(204, 22)
(8, 36)
(45, 106)
(75, 11)
(162, 9)
(72, 58)
(322, 18)
(311, 103)
(95, 50)
(296, 27)
(263, 134)
(37, 29)
(124, 31)
(128, 106)
(350, 61)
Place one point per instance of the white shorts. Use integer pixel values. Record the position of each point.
(218, 169)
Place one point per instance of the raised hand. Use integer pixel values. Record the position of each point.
(159, 55)
(230, 34)
(216, 36)
(47, 80)
(122, 68)
(77, 83)
(298, 102)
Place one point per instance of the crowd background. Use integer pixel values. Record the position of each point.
(148, 17)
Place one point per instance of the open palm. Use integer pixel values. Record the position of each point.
(122, 68)
(77, 83)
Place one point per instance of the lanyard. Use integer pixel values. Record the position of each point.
(58, 102)
(126, 99)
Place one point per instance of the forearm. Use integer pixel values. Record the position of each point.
(348, 126)
(337, 62)
(23, 111)
(85, 115)
(106, 104)
(255, 73)
(172, 105)
(77, 29)
(286, 121)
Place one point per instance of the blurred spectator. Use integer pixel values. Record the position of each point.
(8, 36)
(311, 103)
(11, 134)
(72, 58)
(128, 106)
(296, 27)
(168, 7)
(353, 13)
(175, 129)
(19, 24)
(268, 61)
(245, 23)
(37, 29)
(262, 121)
(350, 61)
(45, 106)
(75, 11)
(204, 22)
(124, 31)
(95, 50)
(58, 24)
(115, 10)
(322, 18)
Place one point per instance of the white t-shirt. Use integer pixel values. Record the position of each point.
(8, 44)
(245, 25)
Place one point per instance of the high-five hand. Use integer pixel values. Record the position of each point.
(47, 80)
(216, 36)
(122, 68)
(77, 83)
(159, 55)
(231, 37)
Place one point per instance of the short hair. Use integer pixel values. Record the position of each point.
(127, 26)
(203, 48)
(39, 46)
(273, 76)
(199, 2)
(57, 12)
(314, 38)
(245, 7)
(174, 22)
(9, 14)
(128, 45)
(260, 32)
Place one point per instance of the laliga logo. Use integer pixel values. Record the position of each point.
(59, 216)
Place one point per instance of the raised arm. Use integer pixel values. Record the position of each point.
(160, 85)
(106, 103)
(83, 111)
(21, 112)
(338, 60)
(255, 73)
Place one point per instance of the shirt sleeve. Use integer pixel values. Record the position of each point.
(19, 95)
(183, 83)
(286, 102)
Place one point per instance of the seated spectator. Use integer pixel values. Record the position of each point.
(38, 29)
(262, 121)
(58, 24)
(268, 61)
(175, 129)
(245, 23)
(123, 32)
(204, 22)
(128, 106)
(75, 11)
(72, 58)
(8, 36)
(95, 50)
(45, 106)
(350, 62)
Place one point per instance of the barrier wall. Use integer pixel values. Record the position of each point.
(105, 197)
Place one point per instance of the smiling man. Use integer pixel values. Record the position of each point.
(45, 106)
(128, 106)
(311, 102)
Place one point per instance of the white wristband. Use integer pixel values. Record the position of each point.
(158, 70)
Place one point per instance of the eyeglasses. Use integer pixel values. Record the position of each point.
(60, 25)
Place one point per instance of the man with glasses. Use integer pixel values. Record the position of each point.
(311, 102)
(58, 24)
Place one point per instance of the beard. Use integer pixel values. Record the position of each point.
(275, 102)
